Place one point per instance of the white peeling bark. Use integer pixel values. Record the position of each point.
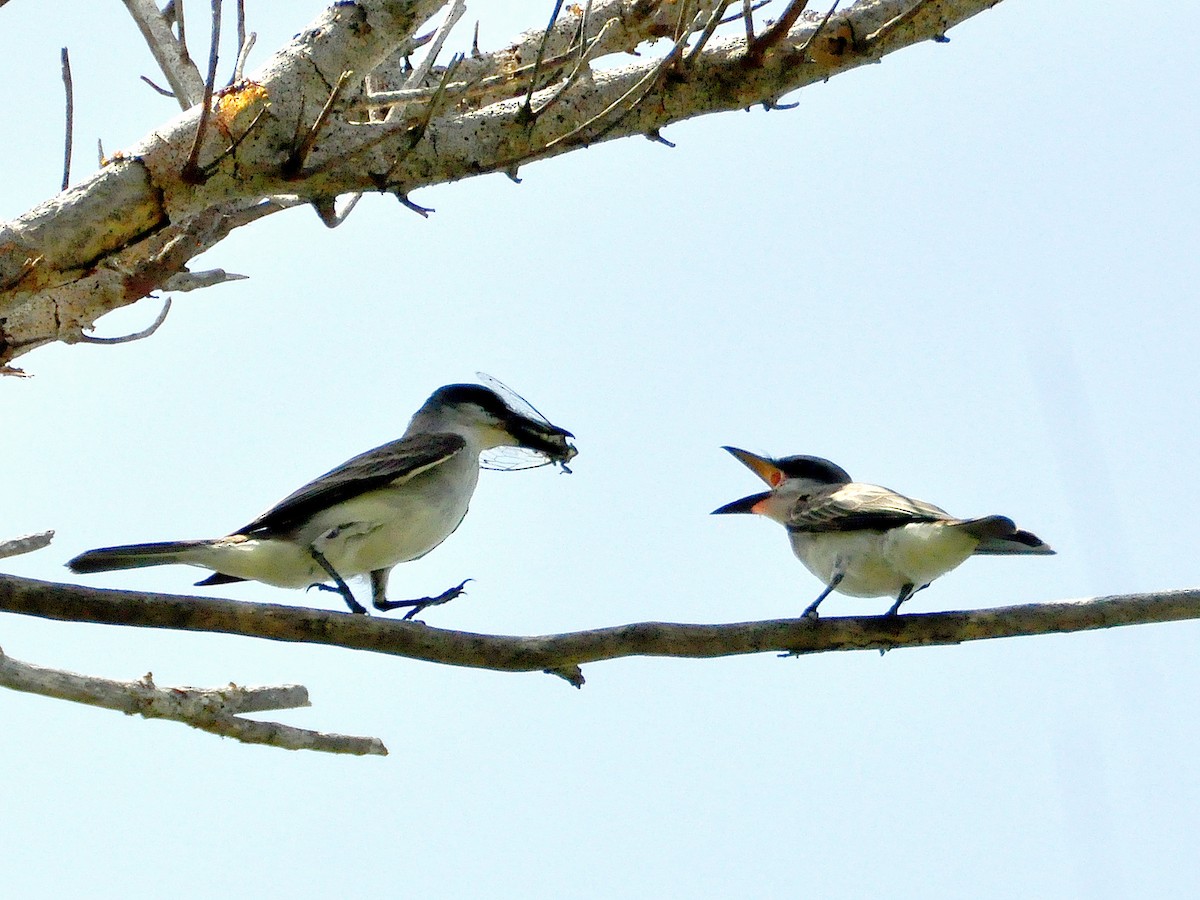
(138, 221)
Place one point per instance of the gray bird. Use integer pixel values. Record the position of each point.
(386, 506)
(864, 540)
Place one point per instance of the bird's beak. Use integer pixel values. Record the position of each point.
(547, 439)
(761, 466)
(745, 505)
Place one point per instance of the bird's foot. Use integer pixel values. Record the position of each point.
(422, 604)
(355, 607)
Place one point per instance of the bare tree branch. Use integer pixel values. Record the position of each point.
(99, 245)
(170, 53)
(194, 281)
(239, 68)
(137, 335)
(191, 173)
(244, 43)
(69, 136)
(562, 654)
(213, 710)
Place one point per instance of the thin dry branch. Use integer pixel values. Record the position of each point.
(135, 336)
(239, 68)
(191, 173)
(194, 281)
(214, 710)
(170, 53)
(69, 135)
(562, 654)
(26, 543)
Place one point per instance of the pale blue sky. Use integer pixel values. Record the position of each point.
(967, 273)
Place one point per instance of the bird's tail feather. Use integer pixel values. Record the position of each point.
(999, 536)
(135, 556)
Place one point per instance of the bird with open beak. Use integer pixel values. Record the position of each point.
(864, 540)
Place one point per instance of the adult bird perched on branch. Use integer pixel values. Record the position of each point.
(386, 506)
(864, 540)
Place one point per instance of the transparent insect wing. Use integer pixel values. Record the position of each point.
(512, 459)
(514, 400)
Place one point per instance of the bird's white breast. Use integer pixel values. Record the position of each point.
(878, 564)
(381, 528)
(375, 530)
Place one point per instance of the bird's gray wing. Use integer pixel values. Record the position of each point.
(392, 463)
(860, 507)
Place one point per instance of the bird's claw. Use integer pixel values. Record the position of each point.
(419, 606)
(355, 607)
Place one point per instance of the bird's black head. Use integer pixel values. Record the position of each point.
(536, 434)
(813, 468)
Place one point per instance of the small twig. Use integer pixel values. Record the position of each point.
(70, 135)
(144, 333)
(327, 210)
(418, 131)
(757, 49)
(26, 543)
(386, 99)
(905, 19)
(192, 173)
(803, 48)
(588, 53)
(644, 85)
(294, 164)
(239, 70)
(234, 144)
(572, 675)
(159, 88)
(180, 26)
(422, 211)
(421, 72)
(684, 8)
(747, 15)
(241, 24)
(169, 52)
(182, 282)
(537, 63)
(213, 710)
(710, 28)
(270, 206)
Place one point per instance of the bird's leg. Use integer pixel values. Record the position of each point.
(811, 612)
(380, 602)
(905, 592)
(342, 588)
